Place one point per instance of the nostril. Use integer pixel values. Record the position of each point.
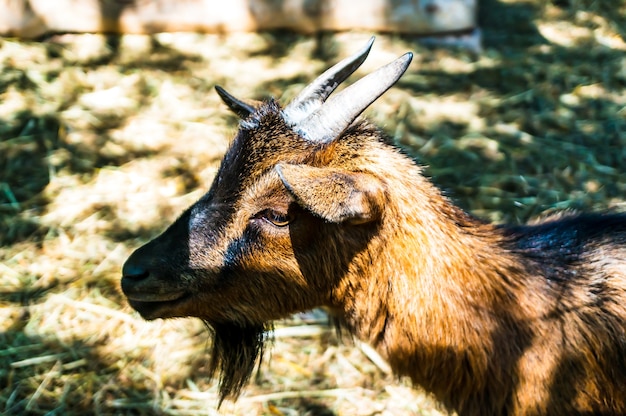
(134, 271)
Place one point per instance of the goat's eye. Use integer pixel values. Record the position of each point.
(276, 218)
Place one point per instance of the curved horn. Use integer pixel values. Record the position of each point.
(242, 109)
(314, 94)
(330, 120)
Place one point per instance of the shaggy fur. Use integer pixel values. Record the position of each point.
(236, 352)
(493, 320)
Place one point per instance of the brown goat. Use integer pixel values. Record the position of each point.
(312, 208)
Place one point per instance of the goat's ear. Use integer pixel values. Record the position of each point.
(335, 195)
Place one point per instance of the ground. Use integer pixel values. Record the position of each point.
(105, 140)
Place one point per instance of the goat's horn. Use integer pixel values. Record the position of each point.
(314, 95)
(331, 119)
(237, 106)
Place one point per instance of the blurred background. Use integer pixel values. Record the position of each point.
(105, 138)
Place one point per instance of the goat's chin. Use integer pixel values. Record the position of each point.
(150, 310)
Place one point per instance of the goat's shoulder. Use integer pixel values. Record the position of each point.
(569, 231)
(564, 244)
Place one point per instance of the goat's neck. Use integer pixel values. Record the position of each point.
(441, 288)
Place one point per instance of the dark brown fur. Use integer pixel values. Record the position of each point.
(236, 352)
(492, 320)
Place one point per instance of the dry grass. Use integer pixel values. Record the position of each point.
(103, 141)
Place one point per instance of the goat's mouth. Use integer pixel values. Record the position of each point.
(152, 306)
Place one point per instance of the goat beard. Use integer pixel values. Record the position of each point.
(237, 350)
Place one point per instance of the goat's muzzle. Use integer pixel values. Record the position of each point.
(146, 290)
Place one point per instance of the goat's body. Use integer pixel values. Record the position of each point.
(492, 320)
(310, 208)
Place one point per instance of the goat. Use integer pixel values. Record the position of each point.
(313, 206)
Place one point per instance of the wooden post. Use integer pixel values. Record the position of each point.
(34, 18)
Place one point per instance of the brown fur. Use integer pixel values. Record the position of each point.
(492, 320)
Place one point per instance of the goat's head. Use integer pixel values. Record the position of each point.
(288, 209)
